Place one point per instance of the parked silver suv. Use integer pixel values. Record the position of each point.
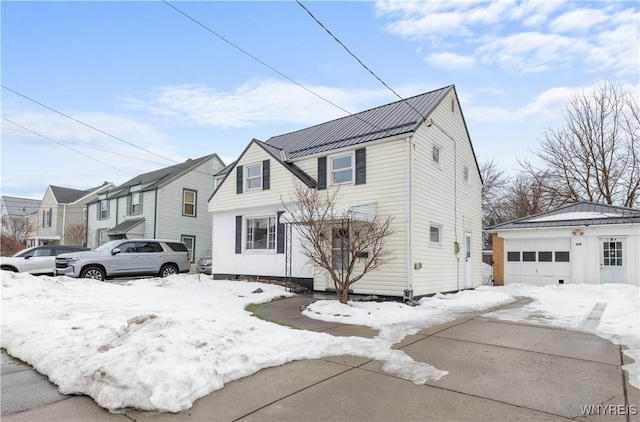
(125, 258)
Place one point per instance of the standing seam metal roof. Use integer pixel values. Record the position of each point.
(388, 120)
(622, 216)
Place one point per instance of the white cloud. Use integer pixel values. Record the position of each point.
(597, 36)
(578, 20)
(257, 103)
(451, 61)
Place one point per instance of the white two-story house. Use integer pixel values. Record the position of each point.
(170, 203)
(412, 160)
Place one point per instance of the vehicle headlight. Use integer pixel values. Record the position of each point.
(73, 259)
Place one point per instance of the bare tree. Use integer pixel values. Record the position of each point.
(494, 210)
(595, 155)
(15, 232)
(526, 196)
(344, 245)
(75, 234)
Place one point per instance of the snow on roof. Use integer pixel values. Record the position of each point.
(588, 215)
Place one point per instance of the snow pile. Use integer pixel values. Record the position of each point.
(396, 320)
(160, 344)
(611, 311)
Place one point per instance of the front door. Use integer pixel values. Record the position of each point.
(127, 261)
(613, 260)
(467, 265)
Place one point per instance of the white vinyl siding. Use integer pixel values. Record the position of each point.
(434, 200)
(386, 186)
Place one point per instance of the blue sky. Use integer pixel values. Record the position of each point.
(146, 74)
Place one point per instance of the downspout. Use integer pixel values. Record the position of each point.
(408, 293)
(155, 214)
(64, 221)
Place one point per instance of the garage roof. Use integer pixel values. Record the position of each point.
(579, 214)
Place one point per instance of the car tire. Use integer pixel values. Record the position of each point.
(167, 270)
(94, 272)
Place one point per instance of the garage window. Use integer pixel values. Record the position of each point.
(528, 256)
(545, 256)
(562, 256)
(513, 256)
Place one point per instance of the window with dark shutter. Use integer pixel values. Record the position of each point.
(280, 234)
(238, 234)
(322, 173)
(361, 166)
(266, 175)
(239, 179)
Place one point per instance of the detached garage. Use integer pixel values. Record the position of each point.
(577, 243)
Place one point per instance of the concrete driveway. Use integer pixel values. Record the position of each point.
(498, 371)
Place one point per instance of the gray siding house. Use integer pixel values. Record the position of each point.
(61, 209)
(170, 203)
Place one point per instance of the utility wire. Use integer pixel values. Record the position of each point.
(357, 59)
(265, 64)
(87, 125)
(65, 146)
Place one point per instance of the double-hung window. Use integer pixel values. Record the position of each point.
(342, 170)
(104, 210)
(189, 203)
(254, 177)
(136, 204)
(261, 233)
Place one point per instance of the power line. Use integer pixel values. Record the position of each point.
(65, 146)
(87, 125)
(265, 64)
(357, 59)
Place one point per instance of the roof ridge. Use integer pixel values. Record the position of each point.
(360, 112)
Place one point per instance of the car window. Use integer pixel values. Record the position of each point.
(177, 246)
(149, 247)
(43, 252)
(25, 252)
(128, 247)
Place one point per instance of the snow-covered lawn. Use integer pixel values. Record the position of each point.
(160, 344)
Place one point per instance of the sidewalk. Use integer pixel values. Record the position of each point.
(498, 371)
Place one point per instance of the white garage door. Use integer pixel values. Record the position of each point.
(538, 261)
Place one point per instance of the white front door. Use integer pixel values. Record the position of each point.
(613, 260)
(467, 265)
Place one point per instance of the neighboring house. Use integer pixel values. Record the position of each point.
(170, 203)
(577, 243)
(60, 209)
(412, 160)
(15, 208)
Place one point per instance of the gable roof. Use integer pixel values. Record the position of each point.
(388, 120)
(159, 177)
(15, 206)
(68, 195)
(578, 214)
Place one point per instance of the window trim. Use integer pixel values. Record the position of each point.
(330, 171)
(439, 228)
(195, 202)
(131, 204)
(191, 253)
(247, 178)
(105, 210)
(438, 163)
(245, 234)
